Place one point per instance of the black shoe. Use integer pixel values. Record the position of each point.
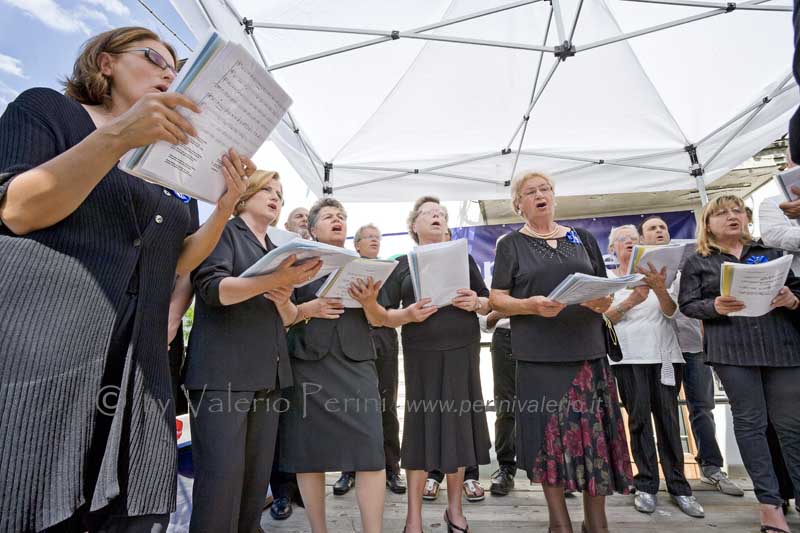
(281, 509)
(345, 482)
(395, 483)
(502, 481)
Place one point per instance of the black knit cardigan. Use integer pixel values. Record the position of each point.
(61, 291)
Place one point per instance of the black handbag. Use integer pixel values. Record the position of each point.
(613, 349)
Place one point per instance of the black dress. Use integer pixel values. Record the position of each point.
(445, 420)
(569, 428)
(332, 422)
(83, 325)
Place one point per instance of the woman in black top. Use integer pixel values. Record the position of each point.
(575, 438)
(757, 358)
(88, 255)
(333, 422)
(237, 363)
(441, 349)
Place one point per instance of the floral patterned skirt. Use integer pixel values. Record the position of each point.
(569, 428)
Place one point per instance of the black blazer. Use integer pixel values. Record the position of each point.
(241, 346)
(348, 334)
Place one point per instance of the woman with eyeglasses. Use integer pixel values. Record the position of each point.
(441, 349)
(89, 255)
(570, 434)
(757, 358)
(237, 363)
(649, 377)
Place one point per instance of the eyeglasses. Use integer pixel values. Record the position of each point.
(544, 189)
(431, 212)
(625, 238)
(735, 211)
(155, 58)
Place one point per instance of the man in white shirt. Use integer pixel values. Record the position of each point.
(777, 220)
(698, 381)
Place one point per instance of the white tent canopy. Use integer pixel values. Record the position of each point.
(452, 98)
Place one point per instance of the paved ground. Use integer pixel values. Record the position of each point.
(523, 510)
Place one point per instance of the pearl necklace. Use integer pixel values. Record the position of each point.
(542, 235)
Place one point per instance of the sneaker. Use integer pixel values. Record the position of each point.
(502, 481)
(345, 482)
(723, 484)
(689, 505)
(644, 502)
(395, 482)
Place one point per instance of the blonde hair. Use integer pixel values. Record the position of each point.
(414, 214)
(257, 182)
(706, 242)
(520, 180)
(612, 236)
(87, 84)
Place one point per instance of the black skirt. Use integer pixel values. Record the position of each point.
(570, 431)
(332, 420)
(445, 419)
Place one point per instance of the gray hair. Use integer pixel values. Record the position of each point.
(612, 236)
(414, 214)
(313, 213)
(360, 232)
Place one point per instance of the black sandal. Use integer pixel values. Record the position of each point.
(451, 527)
(772, 529)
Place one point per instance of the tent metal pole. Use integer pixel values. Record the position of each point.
(420, 170)
(464, 178)
(234, 12)
(562, 36)
(753, 114)
(746, 111)
(327, 29)
(249, 30)
(478, 42)
(611, 162)
(575, 21)
(653, 29)
(535, 99)
(652, 155)
(525, 121)
(202, 5)
(572, 169)
(428, 27)
(701, 189)
(718, 5)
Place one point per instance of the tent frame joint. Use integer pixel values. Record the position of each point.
(731, 7)
(395, 35)
(327, 188)
(248, 25)
(695, 169)
(564, 50)
(505, 151)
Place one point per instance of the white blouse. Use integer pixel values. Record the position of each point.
(646, 334)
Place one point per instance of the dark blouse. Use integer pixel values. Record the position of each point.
(347, 335)
(526, 266)
(241, 346)
(448, 328)
(769, 340)
(65, 290)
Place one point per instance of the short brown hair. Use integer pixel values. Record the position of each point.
(313, 213)
(412, 216)
(255, 183)
(706, 242)
(87, 84)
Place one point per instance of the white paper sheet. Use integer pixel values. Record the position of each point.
(279, 237)
(666, 255)
(332, 257)
(241, 105)
(755, 285)
(338, 283)
(786, 179)
(579, 288)
(439, 270)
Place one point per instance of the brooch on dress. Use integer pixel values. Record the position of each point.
(756, 259)
(573, 237)
(182, 197)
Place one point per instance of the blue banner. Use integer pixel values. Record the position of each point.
(482, 239)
